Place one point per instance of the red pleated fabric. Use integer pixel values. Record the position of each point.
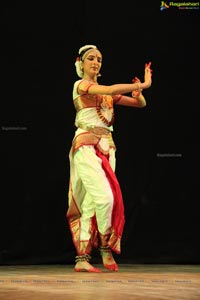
(118, 219)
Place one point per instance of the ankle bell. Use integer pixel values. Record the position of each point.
(104, 249)
(84, 257)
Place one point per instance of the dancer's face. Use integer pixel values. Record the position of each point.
(92, 63)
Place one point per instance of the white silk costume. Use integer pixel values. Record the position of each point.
(95, 201)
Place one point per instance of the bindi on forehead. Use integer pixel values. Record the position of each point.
(93, 53)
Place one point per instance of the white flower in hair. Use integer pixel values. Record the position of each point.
(86, 47)
(79, 71)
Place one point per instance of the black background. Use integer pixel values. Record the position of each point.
(157, 147)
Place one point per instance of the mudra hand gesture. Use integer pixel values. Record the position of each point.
(147, 80)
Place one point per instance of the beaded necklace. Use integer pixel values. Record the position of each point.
(106, 104)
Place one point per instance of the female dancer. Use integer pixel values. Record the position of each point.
(96, 211)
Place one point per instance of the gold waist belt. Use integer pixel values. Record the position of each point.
(95, 130)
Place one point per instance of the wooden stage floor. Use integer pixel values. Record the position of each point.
(132, 281)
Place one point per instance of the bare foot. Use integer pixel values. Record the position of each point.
(108, 260)
(84, 266)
